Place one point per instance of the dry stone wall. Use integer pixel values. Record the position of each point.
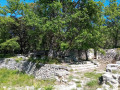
(108, 55)
(41, 71)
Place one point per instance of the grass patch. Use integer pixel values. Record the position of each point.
(48, 88)
(92, 75)
(14, 78)
(92, 83)
(18, 59)
(78, 85)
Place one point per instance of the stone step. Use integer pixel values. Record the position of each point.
(85, 66)
(82, 65)
(80, 70)
(89, 67)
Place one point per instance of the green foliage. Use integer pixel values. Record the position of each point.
(10, 44)
(112, 13)
(59, 25)
(64, 46)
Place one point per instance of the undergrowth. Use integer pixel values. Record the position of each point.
(45, 60)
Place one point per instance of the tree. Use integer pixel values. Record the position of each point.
(112, 13)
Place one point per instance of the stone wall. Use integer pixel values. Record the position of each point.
(76, 55)
(39, 71)
(109, 54)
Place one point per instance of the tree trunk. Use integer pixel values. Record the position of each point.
(95, 54)
(86, 54)
(116, 39)
(79, 54)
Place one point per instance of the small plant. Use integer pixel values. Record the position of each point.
(48, 88)
(70, 77)
(71, 70)
(78, 82)
(78, 85)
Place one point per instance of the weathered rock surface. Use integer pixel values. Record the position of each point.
(112, 76)
(113, 67)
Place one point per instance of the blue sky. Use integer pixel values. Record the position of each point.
(4, 2)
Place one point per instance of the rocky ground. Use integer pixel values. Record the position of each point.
(77, 79)
(92, 76)
(83, 76)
